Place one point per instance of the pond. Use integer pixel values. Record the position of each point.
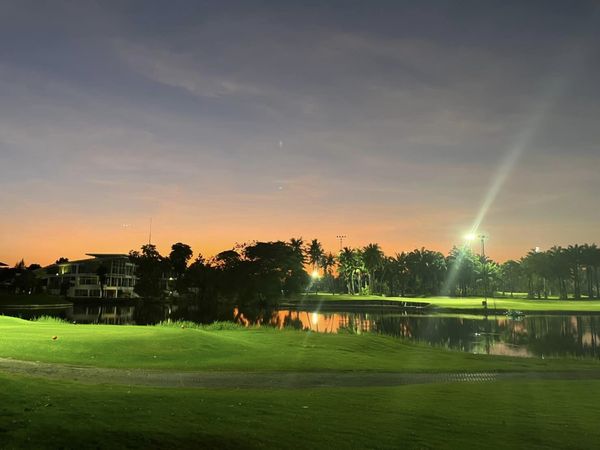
(533, 335)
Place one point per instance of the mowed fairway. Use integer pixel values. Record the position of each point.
(462, 303)
(61, 413)
(49, 414)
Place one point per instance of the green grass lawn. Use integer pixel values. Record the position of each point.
(42, 413)
(461, 303)
(239, 349)
(542, 414)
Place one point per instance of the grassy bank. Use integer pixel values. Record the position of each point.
(460, 303)
(238, 349)
(48, 414)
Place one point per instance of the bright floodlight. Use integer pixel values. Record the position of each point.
(315, 275)
(470, 236)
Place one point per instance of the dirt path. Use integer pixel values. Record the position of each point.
(287, 380)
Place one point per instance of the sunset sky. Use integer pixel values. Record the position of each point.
(402, 123)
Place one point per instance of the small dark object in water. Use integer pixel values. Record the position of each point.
(515, 314)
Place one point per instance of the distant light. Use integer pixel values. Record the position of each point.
(470, 237)
(315, 274)
(315, 317)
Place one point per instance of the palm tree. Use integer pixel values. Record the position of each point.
(315, 254)
(373, 259)
(461, 271)
(427, 269)
(359, 269)
(589, 262)
(535, 266)
(559, 269)
(488, 272)
(575, 255)
(596, 261)
(511, 273)
(327, 263)
(401, 271)
(346, 268)
(298, 246)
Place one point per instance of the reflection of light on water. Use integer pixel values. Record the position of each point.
(530, 338)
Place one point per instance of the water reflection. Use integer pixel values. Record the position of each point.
(536, 335)
(550, 335)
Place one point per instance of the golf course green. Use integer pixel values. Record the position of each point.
(454, 303)
(38, 412)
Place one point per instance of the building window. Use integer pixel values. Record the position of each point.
(81, 292)
(118, 267)
(88, 281)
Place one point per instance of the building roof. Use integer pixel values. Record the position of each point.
(3, 265)
(94, 256)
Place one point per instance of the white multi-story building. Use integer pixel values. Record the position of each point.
(81, 279)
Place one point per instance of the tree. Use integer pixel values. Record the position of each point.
(575, 257)
(400, 271)
(61, 260)
(596, 264)
(275, 269)
(589, 255)
(488, 274)
(315, 254)
(460, 265)
(511, 274)
(202, 284)
(179, 258)
(102, 272)
(373, 259)
(149, 271)
(25, 281)
(328, 263)
(359, 270)
(535, 266)
(558, 268)
(427, 269)
(298, 247)
(346, 263)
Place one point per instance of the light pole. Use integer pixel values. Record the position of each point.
(482, 238)
(341, 237)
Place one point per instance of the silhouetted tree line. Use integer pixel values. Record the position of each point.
(558, 272)
(262, 273)
(20, 279)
